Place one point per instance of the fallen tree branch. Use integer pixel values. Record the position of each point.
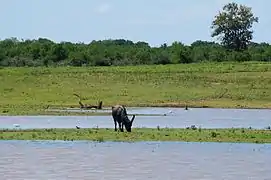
(87, 106)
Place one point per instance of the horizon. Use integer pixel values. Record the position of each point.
(166, 22)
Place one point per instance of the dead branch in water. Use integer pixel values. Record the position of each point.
(87, 106)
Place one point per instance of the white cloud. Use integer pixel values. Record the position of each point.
(103, 8)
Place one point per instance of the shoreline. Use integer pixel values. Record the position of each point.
(68, 111)
(234, 135)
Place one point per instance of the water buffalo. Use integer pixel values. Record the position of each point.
(119, 114)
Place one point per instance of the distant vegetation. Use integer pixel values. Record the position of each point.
(43, 52)
(232, 26)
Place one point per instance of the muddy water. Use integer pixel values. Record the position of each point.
(59, 160)
(174, 118)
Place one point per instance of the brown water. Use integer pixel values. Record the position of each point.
(144, 160)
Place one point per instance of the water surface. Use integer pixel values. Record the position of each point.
(61, 160)
(174, 118)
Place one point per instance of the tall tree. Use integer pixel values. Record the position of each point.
(233, 26)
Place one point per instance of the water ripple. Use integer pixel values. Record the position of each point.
(141, 160)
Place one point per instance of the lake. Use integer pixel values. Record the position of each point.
(151, 118)
(60, 160)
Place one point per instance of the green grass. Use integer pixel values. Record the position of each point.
(141, 134)
(30, 90)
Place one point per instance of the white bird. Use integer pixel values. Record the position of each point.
(78, 126)
(170, 111)
(16, 125)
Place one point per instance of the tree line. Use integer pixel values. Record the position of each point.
(232, 26)
(44, 52)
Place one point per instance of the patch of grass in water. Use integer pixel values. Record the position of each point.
(141, 134)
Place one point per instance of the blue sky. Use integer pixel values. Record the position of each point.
(153, 21)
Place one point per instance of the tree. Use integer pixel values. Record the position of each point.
(233, 26)
(44, 52)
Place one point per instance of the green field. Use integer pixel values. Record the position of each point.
(228, 85)
(141, 134)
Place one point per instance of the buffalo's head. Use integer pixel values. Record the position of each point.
(128, 124)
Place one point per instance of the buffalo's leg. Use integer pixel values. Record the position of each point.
(115, 125)
(122, 127)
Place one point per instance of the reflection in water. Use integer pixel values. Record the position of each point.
(143, 160)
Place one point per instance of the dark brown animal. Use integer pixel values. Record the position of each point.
(120, 116)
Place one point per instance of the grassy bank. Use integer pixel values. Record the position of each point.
(141, 134)
(227, 85)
